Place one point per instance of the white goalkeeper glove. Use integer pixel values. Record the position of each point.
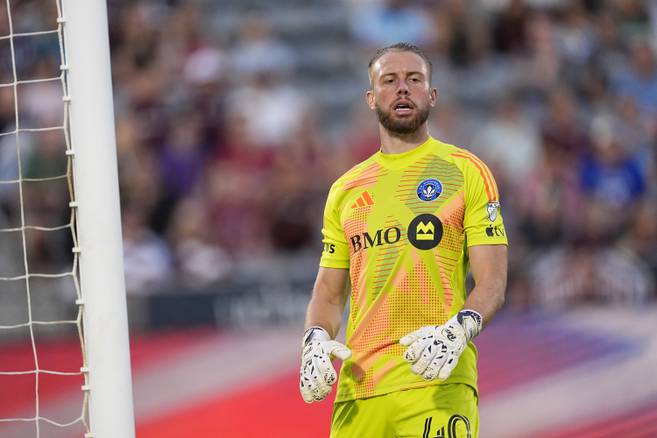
(317, 373)
(434, 351)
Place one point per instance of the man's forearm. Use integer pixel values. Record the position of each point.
(486, 299)
(328, 300)
(324, 313)
(489, 270)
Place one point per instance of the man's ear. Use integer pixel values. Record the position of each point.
(369, 98)
(434, 97)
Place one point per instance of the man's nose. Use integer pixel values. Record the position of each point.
(402, 88)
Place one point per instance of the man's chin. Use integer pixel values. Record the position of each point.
(402, 125)
(402, 130)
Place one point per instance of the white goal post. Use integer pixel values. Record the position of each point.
(98, 218)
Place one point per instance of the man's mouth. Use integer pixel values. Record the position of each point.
(403, 108)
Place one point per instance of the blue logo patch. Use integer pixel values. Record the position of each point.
(429, 189)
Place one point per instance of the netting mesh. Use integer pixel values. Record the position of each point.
(41, 306)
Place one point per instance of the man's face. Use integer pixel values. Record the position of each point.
(401, 94)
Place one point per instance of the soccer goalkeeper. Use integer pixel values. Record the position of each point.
(402, 228)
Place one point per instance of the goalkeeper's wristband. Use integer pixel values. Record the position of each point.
(315, 332)
(471, 322)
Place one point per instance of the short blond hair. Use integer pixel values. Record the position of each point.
(400, 47)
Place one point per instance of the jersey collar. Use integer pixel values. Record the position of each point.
(404, 158)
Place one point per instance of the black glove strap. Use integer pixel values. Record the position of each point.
(312, 332)
(471, 321)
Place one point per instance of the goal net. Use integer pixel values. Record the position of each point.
(53, 382)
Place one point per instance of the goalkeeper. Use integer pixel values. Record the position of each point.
(401, 229)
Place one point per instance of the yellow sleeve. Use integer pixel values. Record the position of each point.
(482, 222)
(336, 250)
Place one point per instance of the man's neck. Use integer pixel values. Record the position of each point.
(392, 143)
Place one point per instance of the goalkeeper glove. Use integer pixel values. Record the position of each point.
(317, 372)
(434, 351)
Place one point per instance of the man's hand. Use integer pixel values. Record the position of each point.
(317, 372)
(434, 351)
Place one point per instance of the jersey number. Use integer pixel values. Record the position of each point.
(451, 428)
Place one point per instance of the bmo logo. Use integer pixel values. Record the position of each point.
(384, 236)
(425, 231)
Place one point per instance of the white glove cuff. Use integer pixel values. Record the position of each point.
(471, 322)
(316, 332)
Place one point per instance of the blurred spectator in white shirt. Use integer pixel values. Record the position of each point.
(147, 259)
(509, 143)
(272, 111)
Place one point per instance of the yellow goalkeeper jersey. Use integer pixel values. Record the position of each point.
(401, 224)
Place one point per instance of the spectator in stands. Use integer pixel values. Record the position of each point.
(635, 128)
(183, 155)
(562, 127)
(461, 33)
(235, 184)
(509, 143)
(271, 110)
(378, 25)
(542, 65)
(509, 28)
(547, 201)
(632, 16)
(610, 174)
(640, 80)
(147, 257)
(258, 51)
(575, 35)
(292, 217)
(140, 181)
(451, 124)
(200, 262)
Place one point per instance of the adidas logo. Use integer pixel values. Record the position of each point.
(363, 201)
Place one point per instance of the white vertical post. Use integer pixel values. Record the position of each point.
(99, 226)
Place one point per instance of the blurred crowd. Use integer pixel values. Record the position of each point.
(227, 149)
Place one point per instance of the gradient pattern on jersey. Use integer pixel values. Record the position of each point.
(376, 225)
